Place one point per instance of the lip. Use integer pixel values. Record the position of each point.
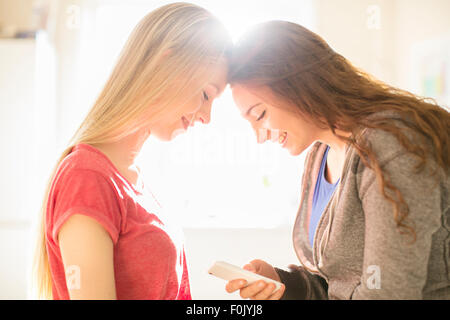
(185, 123)
(285, 141)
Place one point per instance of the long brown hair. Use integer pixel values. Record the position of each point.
(299, 67)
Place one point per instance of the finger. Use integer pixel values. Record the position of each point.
(266, 293)
(252, 289)
(235, 285)
(257, 265)
(278, 294)
(249, 267)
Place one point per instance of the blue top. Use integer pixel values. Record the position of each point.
(322, 194)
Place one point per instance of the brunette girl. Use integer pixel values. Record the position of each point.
(374, 217)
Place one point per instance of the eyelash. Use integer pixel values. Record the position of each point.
(262, 115)
(205, 96)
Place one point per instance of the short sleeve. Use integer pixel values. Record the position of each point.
(89, 193)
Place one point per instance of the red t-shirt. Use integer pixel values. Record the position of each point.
(149, 257)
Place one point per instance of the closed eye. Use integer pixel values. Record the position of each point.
(261, 116)
(205, 96)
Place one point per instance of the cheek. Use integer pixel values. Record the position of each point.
(280, 121)
(191, 106)
(303, 135)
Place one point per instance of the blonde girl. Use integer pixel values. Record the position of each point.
(102, 235)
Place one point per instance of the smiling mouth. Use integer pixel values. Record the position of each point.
(282, 139)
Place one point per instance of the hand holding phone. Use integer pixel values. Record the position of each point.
(256, 286)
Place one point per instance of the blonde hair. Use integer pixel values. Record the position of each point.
(172, 47)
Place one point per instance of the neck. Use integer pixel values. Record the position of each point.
(123, 153)
(336, 154)
(338, 146)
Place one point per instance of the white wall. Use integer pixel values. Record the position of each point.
(386, 52)
(15, 248)
(417, 21)
(27, 140)
(16, 13)
(17, 65)
(362, 31)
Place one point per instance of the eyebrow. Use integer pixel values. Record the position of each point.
(249, 109)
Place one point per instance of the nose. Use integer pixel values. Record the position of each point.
(265, 134)
(262, 134)
(204, 115)
(205, 118)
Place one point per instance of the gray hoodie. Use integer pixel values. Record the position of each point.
(358, 252)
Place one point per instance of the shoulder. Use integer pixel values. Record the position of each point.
(392, 156)
(387, 144)
(85, 165)
(401, 167)
(85, 157)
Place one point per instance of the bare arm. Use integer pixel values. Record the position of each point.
(87, 253)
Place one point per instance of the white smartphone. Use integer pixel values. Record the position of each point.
(229, 272)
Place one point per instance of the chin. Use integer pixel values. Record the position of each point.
(174, 134)
(162, 136)
(295, 150)
(165, 139)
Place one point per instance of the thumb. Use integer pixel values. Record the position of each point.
(250, 267)
(257, 265)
